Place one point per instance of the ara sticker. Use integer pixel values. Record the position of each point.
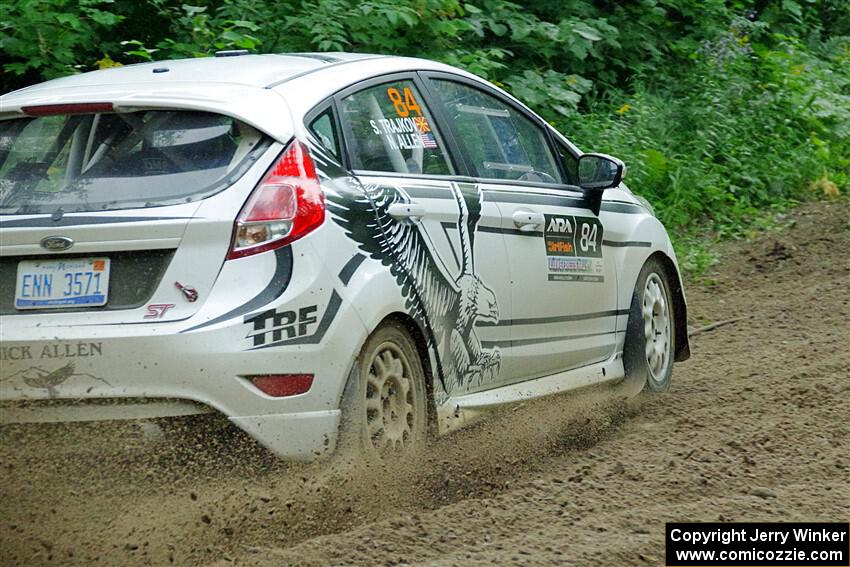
(574, 248)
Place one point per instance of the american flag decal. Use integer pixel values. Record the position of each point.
(428, 141)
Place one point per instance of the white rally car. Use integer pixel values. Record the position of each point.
(317, 246)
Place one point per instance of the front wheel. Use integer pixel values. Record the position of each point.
(384, 407)
(648, 350)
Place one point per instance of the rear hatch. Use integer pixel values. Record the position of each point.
(114, 217)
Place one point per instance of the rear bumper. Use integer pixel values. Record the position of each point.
(141, 371)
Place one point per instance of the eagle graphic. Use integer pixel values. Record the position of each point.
(446, 305)
(38, 377)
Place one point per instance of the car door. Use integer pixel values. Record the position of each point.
(428, 214)
(563, 291)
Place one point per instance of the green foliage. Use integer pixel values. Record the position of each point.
(199, 31)
(750, 123)
(552, 93)
(720, 108)
(44, 40)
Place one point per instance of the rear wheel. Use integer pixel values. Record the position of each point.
(648, 351)
(384, 408)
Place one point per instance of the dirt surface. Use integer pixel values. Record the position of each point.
(756, 427)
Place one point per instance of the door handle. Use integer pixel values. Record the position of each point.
(528, 221)
(412, 211)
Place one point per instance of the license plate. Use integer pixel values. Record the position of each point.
(47, 284)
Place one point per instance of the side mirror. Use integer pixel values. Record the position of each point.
(599, 171)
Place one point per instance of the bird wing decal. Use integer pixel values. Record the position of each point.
(400, 245)
(447, 306)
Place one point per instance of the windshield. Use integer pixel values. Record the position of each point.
(95, 162)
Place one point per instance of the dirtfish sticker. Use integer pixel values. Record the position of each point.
(574, 249)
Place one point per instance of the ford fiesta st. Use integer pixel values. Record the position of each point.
(316, 246)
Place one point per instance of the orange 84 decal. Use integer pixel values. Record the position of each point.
(403, 107)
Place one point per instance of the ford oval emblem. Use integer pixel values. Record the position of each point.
(56, 243)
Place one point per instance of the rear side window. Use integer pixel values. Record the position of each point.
(501, 141)
(92, 162)
(388, 128)
(323, 128)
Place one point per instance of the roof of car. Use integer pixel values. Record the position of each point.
(250, 70)
(250, 88)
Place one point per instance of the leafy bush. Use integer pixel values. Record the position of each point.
(43, 40)
(746, 125)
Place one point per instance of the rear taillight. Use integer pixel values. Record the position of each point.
(286, 205)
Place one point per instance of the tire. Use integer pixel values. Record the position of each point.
(384, 406)
(650, 333)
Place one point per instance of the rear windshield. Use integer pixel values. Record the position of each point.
(95, 162)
